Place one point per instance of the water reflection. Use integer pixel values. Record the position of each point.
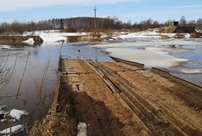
(34, 76)
(84, 51)
(29, 88)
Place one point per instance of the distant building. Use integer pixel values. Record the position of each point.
(175, 23)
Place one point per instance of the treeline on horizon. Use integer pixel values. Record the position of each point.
(87, 23)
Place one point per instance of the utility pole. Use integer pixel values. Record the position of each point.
(95, 13)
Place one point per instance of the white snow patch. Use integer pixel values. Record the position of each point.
(151, 34)
(17, 114)
(141, 34)
(11, 130)
(29, 41)
(148, 58)
(52, 35)
(82, 129)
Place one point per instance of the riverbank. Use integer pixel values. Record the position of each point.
(111, 98)
(20, 40)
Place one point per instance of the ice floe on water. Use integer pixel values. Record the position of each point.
(12, 116)
(11, 130)
(148, 48)
(167, 50)
(189, 70)
(17, 114)
(4, 46)
(14, 113)
(175, 44)
(148, 58)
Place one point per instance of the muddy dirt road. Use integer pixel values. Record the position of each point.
(116, 99)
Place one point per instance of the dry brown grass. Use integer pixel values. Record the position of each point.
(195, 35)
(167, 29)
(56, 124)
(164, 37)
(179, 35)
(73, 38)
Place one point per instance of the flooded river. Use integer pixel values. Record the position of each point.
(31, 74)
(31, 77)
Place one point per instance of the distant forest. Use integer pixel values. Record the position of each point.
(82, 23)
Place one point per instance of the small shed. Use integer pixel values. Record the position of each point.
(175, 23)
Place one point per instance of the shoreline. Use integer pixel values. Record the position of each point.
(21, 40)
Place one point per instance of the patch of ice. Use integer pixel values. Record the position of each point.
(151, 43)
(148, 58)
(2, 107)
(4, 46)
(17, 114)
(190, 71)
(11, 130)
(166, 50)
(82, 129)
(29, 41)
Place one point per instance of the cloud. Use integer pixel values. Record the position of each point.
(12, 5)
(186, 6)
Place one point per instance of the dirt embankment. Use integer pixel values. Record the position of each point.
(117, 99)
(18, 40)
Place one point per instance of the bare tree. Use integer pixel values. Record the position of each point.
(183, 21)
